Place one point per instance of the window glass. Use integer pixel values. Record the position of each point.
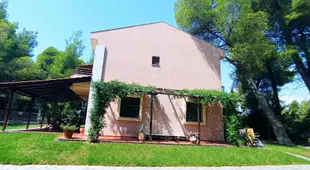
(155, 60)
(130, 107)
(191, 112)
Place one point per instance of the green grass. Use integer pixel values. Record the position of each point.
(39, 148)
(299, 150)
(13, 126)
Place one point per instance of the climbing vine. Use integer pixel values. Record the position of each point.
(227, 100)
(106, 92)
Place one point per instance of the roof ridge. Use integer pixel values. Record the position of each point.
(137, 25)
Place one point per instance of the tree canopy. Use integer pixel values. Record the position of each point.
(56, 64)
(239, 29)
(289, 27)
(15, 48)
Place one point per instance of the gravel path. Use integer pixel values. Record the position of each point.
(48, 167)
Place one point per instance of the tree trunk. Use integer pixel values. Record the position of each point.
(276, 124)
(304, 47)
(275, 94)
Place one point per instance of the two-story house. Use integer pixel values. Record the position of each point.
(161, 55)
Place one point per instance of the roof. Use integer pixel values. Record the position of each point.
(139, 25)
(54, 90)
(118, 28)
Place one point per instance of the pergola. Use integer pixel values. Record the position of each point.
(52, 91)
(153, 93)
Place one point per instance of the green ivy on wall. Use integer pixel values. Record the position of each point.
(106, 92)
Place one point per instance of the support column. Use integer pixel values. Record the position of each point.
(54, 110)
(8, 110)
(97, 75)
(44, 112)
(198, 118)
(151, 116)
(30, 109)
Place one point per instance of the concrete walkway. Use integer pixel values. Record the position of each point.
(48, 167)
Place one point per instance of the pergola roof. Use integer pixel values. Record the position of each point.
(54, 90)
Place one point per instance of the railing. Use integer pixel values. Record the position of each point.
(83, 70)
(21, 116)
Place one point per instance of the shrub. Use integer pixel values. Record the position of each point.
(233, 124)
(68, 127)
(73, 113)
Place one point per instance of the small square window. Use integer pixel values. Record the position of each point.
(130, 107)
(155, 60)
(191, 112)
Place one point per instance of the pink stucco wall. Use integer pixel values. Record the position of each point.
(185, 62)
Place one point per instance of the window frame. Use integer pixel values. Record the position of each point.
(203, 112)
(156, 65)
(129, 118)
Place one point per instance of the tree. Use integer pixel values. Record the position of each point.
(56, 64)
(46, 59)
(235, 27)
(24, 68)
(290, 29)
(13, 45)
(297, 117)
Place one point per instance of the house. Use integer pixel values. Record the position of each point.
(161, 55)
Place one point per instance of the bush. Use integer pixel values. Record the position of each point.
(73, 113)
(233, 124)
(68, 127)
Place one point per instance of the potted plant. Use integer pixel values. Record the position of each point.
(82, 129)
(141, 133)
(68, 130)
(193, 137)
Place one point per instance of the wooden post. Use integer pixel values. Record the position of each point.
(198, 119)
(30, 109)
(44, 112)
(54, 113)
(151, 116)
(8, 109)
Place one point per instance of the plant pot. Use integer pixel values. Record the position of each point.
(193, 142)
(193, 139)
(68, 133)
(141, 136)
(82, 131)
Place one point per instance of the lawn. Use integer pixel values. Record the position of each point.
(299, 150)
(13, 126)
(38, 148)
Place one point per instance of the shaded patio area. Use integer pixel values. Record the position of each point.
(49, 91)
(116, 139)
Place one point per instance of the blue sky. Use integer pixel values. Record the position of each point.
(55, 20)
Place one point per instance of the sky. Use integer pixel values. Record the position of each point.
(55, 21)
